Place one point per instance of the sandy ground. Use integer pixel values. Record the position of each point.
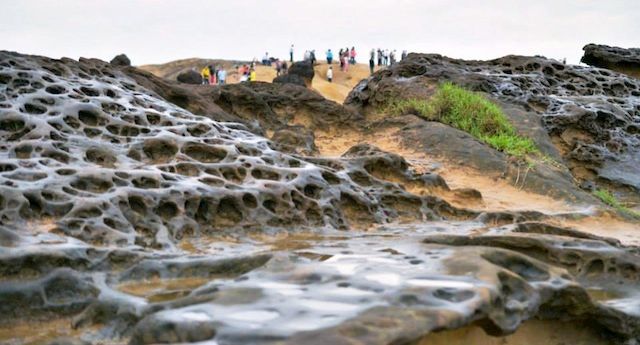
(531, 332)
(343, 82)
(497, 194)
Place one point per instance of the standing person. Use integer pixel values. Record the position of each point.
(222, 76)
(372, 63)
(340, 58)
(346, 61)
(312, 55)
(386, 57)
(212, 75)
(330, 74)
(291, 54)
(204, 73)
(265, 59)
(252, 75)
(353, 56)
(379, 57)
(329, 57)
(392, 57)
(278, 67)
(404, 55)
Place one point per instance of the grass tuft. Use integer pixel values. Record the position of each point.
(609, 199)
(470, 112)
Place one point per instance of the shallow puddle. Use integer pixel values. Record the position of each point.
(601, 295)
(163, 290)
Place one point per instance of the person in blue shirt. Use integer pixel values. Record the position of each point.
(329, 56)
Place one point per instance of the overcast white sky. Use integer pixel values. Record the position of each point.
(155, 31)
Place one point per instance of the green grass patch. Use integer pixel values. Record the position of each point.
(470, 112)
(609, 199)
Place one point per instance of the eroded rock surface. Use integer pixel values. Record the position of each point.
(623, 60)
(588, 116)
(127, 219)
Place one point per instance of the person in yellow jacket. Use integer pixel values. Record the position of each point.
(205, 73)
(252, 75)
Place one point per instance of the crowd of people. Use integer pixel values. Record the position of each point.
(213, 75)
(346, 56)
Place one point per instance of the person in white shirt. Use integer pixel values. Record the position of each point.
(330, 74)
(222, 76)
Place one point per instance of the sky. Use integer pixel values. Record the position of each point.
(157, 31)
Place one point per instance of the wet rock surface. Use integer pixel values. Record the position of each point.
(588, 116)
(127, 219)
(623, 60)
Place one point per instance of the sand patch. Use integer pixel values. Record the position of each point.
(531, 332)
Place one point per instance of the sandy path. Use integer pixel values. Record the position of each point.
(343, 82)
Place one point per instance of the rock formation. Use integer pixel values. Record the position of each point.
(121, 60)
(588, 116)
(190, 77)
(299, 73)
(622, 60)
(126, 217)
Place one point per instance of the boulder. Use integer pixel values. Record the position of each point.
(622, 60)
(300, 73)
(190, 77)
(121, 60)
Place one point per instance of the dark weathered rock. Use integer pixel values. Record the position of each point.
(300, 73)
(190, 77)
(622, 60)
(121, 60)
